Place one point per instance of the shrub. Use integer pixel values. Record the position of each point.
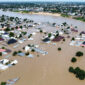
(7, 29)
(24, 33)
(30, 36)
(3, 47)
(49, 35)
(29, 45)
(33, 50)
(27, 53)
(11, 34)
(73, 38)
(0, 53)
(63, 39)
(79, 73)
(3, 83)
(54, 24)
(15, 53)
(41, 31)
(73, 59)
(71, 69)
(59, 49)
(79, 53)
(20, 35)
(19, 51)
(8, 63)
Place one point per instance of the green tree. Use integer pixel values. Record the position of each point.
(41, 31)
(64, 23)
(73, 38)
(71, 69)
(73, 59)
(49, 34)
(59, 49)
(11, 34)
(27, 53)
(7, 29)
(33, 50)
(0, 53)
(14, 53)
(79, 53)
(3, 83)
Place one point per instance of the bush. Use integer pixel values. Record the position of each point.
(8, 63)
(27, 53)
(11, 34)
(7, 29)
(3, 83)
(30, 36)
(49, 35)
(15, 53)
(59, 49)
(73, 59)
(24, 33)
(3, 47)
(0, 54)
(41, 31)
(19, 51)
(73, 38)
(64, 40)
(78, 72)
(71, 69)
(79, 53)
(33, 50)
(20, 35)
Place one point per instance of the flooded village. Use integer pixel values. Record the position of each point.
(41, 49)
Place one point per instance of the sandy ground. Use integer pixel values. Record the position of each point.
(46, 13)
(51, 69)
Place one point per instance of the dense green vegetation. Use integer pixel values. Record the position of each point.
(19, 51)
(16, 11)
(79, 53)
(0, 53)
(14, 53)
(73, 59)
(41, 31)
(73, 38)
(59, 49)
(27, 53)
(79, 73)
(49, 35)
(33, 50)
(7, 29)
(25, 11)
(65, 15)
(11, 34)
(80, 18)
(55, 11)
(64, 40)
(30, 36)
(3, 83)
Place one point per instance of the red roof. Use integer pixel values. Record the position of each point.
(58, 38)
